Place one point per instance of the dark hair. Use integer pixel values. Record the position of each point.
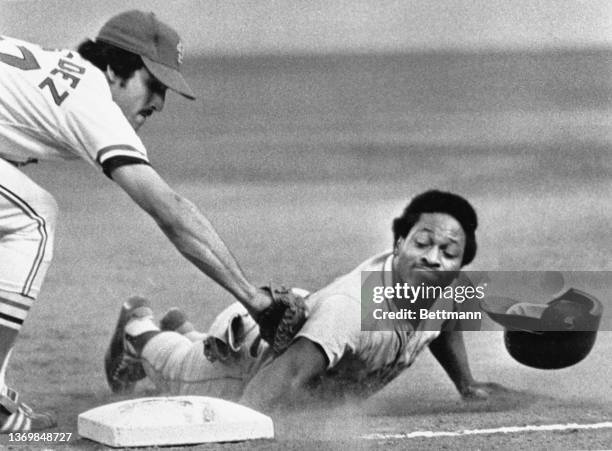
(435, 201)
(103, 55)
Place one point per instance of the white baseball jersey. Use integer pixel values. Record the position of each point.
(56, 105)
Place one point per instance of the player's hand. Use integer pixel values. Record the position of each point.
(260, 302)
(481, 391)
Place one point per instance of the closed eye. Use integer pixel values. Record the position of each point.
(421, 240)
(451, 251)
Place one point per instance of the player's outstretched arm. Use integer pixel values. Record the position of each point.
(449, 350)
(189, 230)
(283, 380)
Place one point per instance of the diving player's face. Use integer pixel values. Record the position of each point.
(138, 96)
(432, 251)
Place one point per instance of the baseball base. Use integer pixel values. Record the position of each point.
(177, 420)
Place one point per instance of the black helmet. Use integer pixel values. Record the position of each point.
(561, 336)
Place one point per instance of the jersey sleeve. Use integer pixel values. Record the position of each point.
(334, 323)
(99, 132)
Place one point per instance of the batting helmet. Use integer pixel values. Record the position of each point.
(554, 335)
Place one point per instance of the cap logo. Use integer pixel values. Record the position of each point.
(180, 51)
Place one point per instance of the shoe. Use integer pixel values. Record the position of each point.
(16, 416)
(121, 362)
(175, 320)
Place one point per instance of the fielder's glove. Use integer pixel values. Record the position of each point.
(282, 320)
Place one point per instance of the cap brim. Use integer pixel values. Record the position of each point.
(169, 77)
(497, 306)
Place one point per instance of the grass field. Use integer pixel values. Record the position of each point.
(302, 165)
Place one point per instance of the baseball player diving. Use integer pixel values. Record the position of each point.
(88, 104)
(432, 240)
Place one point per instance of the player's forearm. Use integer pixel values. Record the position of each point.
(449, 350)
(284, 380)
(189, 230)
(194, 236)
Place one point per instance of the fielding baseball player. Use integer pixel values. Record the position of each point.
(331, 354)
(89, 104)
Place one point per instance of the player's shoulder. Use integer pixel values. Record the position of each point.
(348, 286)
(25, 55)
(62, 74)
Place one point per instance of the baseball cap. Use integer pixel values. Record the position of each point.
(158, 45)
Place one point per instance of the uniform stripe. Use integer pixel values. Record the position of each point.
(14, 422)
(118, 150)
(22, 422)
(122, 154)
(18, 422)
(42, 230)
(24, 303)
(14, 312)
(10, 325)
(7, 424)
(10, 318)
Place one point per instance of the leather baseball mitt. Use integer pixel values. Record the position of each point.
(282, 320)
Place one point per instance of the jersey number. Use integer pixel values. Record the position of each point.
(66, 69)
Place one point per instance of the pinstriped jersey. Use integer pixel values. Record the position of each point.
(56, 105)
